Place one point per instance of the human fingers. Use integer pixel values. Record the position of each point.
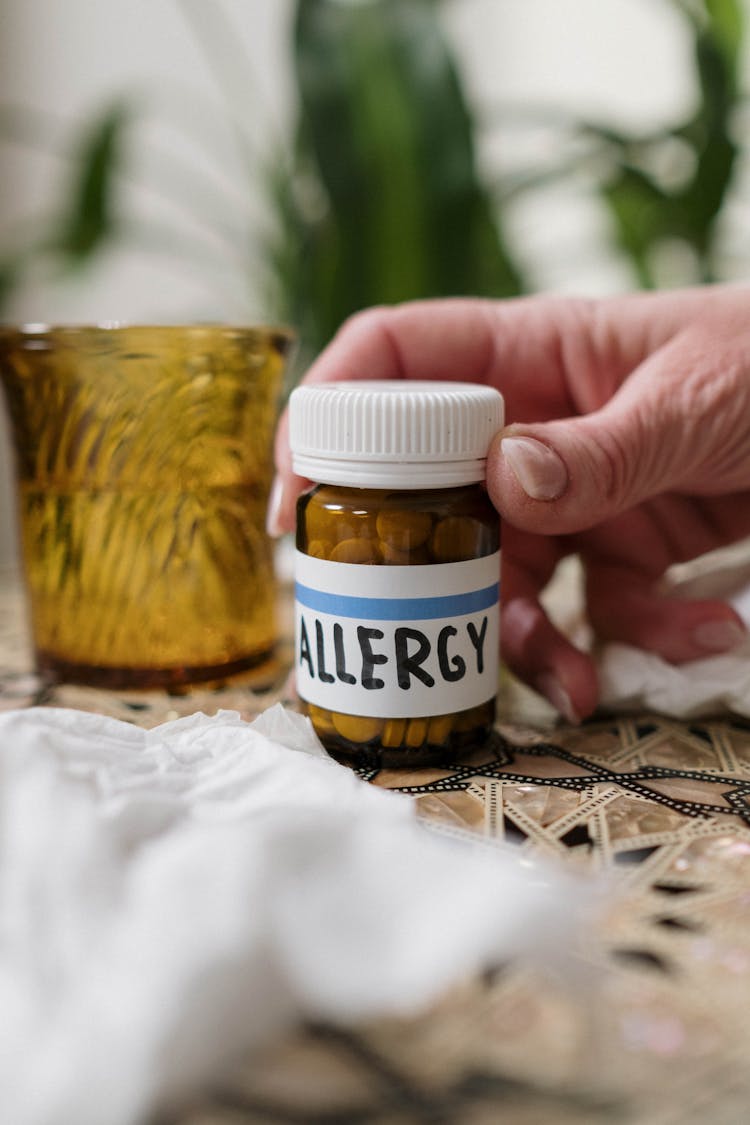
(572, 351)
(438, 339)
(676, 424)
(535, 650)
(551, 357)
(626, 606)
(451, 339)
(513, 345)
(286, 486)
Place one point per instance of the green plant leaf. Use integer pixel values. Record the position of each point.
(640, 211)
(717, 51)
(89, 217)
(386, 135)
(726, 27)
(643, 214)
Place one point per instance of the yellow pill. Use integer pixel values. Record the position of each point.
(456, 538)
(320, 719)
(351, 525)
(392, 557)
(416, 732)
(357, 728)
(319, 548)
(393, 732)
(332, 521)
(356, 525)
(439, 729)
(356, 551)
(403, 531)
(320, 523)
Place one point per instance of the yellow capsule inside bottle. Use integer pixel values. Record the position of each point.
(397, 569)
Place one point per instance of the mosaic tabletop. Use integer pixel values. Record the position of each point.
(652, 1027)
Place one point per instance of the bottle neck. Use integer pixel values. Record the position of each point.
(394, 476)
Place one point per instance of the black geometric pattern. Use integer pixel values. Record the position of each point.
(736, 792)
(655, 949)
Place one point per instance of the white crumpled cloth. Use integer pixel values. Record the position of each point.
(632, 679)
(169, 898)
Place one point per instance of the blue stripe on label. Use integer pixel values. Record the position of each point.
(398, 609)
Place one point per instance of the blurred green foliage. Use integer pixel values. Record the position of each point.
(87, 216)
(647, 213)
(379, 197)
(386, 141)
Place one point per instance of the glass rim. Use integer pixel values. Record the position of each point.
(35, 329)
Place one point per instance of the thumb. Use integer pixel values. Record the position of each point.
(672, 425)
(568, 475)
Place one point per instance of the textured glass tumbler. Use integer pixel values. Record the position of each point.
(144, 463)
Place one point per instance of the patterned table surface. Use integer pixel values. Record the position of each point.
(654, 1029)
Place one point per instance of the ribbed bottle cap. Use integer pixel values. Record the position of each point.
(396, 434)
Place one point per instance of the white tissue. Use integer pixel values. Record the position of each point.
(169, 898)
(632, 679)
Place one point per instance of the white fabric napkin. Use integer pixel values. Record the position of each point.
(169, 898)
(632, 679)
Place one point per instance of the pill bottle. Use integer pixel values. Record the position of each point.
(397, 568)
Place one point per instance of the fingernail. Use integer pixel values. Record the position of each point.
(551, 687)
(537, 468)
(719, 636)
(273, 511)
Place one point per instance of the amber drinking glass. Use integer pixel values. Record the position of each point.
(144, 463)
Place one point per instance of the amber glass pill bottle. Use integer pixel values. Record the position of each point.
(397, 567)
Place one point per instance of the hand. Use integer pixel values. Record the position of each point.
(627, 441)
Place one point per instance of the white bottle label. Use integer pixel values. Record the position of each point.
(397, 641)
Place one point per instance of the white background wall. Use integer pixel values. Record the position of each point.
(623, 61)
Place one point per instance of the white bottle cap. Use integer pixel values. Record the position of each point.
(393, 434)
